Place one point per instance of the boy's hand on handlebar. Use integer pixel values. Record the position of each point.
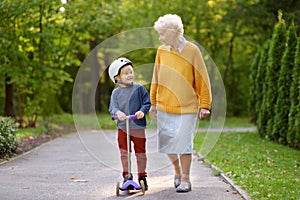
(121, 115)
(153, 111)
(139, 114)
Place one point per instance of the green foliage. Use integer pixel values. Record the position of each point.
(32, 57)
(43, 47)
(283, 103)
(270, 89)
(293, 134)
(8, 138)
(277, 87)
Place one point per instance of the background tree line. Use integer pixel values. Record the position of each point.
(275, 88)
(43, 44)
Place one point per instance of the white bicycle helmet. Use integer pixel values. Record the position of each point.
(116, 65)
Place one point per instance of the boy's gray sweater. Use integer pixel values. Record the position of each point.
(129, 100)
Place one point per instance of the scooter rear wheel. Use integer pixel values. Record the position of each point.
(142, 187)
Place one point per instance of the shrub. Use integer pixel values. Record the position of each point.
(8, 137)
(283, 104)
(270, 89)
(293, 136)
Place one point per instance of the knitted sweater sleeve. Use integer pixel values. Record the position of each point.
(153, 89)
(113, 105)
(145, 100)
(202, 83)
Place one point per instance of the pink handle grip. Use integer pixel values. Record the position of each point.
(115, 117)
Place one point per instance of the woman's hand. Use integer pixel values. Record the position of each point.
(204, 113)
(153, 111)
(121, 115)
(139, 114)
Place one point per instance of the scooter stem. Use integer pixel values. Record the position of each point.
(128, 146)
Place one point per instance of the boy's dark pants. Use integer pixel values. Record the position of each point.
(139, 144)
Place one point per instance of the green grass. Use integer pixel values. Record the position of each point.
(264, 169)
(61, 119)
(229, 122)
(235, 122)
(25, 132)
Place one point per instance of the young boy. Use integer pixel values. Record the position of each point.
(129, 98)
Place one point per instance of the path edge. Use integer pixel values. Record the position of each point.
(222, 175)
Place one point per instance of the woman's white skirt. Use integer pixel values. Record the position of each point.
(176, 132)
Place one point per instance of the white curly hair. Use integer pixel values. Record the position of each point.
(169, 22)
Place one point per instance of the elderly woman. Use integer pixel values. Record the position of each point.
(180, 91)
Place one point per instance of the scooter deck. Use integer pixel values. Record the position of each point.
(129, 183)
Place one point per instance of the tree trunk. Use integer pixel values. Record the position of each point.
(107, 80)
(95, 74)
(9, 99)
(230, 59)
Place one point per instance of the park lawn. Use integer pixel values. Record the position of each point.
(25, 132)
(262, 168)
(100, 121)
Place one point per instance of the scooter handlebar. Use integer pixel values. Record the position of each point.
(115, 117)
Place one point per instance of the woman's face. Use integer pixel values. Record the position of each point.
(167, 37)
(127, 75)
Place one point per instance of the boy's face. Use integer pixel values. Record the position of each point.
(127, 75)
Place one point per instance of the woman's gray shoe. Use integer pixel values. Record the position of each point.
(177, 181)
(184, 187)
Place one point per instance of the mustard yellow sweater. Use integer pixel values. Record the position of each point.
(180, 82)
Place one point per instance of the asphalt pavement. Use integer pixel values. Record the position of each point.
(86, 165)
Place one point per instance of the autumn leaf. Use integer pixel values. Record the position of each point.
(74, 177)
(269, 163)
(234, 192)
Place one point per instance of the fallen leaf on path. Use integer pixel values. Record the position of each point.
(74, 177)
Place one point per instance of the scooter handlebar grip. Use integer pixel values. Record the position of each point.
(132, 117)
(114, 117)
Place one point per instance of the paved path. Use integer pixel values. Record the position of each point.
(88, 167)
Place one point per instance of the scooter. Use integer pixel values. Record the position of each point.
(129, 185)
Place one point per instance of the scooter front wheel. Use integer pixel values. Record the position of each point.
(118, 189)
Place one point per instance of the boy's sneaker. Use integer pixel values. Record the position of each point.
(143, 178)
